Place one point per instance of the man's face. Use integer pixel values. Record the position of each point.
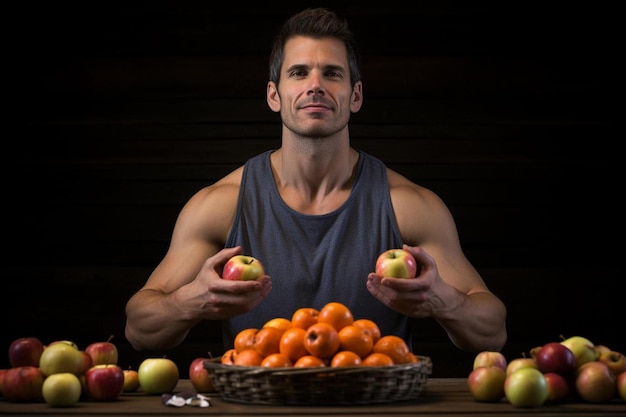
(315, 97)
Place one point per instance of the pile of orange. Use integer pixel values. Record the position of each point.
(330, 336)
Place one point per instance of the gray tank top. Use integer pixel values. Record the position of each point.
(316, 259)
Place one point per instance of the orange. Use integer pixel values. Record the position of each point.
(336, 314)
(321, 340)
(248, 357)
(345, 358)
(377, 359)
(276, 360)
(267, 340)
(245, 339)
(279, 322)
(370, 326)
(292, 343)
(304, 317)
(356, 339)
(395, 347)
(228, 358)
(309, 361)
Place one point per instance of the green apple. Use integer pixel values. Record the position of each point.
(61, 357)
(526, 387)
(158, 375)
(582, 348)
(519, 363)
(486, 383)
(61, 389)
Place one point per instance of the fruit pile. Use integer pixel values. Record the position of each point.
(572, 369)
(330, 336)
(61, 374)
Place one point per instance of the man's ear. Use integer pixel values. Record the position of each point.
(356, 100)
(273, 98)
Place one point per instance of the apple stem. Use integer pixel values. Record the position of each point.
(109, 339)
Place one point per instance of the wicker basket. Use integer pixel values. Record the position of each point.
(319, 386)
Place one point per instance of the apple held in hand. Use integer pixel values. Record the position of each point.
(62, 390)
(23, 384)
(397, 263)
(490, 358)
(25, 351)
(526, 387)
(61, 357)
(158, 375)
(103, 353)
(242, 268)
(486, 383)
(556, 357)
(104, 382)
(199, 376)
(595, 382)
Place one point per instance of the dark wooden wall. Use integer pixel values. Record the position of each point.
(116, 115)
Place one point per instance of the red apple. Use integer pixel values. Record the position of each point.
(616, 361)
(25, 351)
(87, 361)
(526, 387)
(242, 267)
(490, 358)
(131, 380)
(103, 353)
(621, 385)
(595, 382)
(558, 387)
(104, 382)
(486, 383)
(199, 375)
(23, 384)
(397, 263)
(2, 372)
(556, 357)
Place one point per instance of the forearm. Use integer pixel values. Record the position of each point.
(154, 321)
(476, 323)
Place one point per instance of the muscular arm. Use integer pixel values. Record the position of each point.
(448, 288)
(186, 286)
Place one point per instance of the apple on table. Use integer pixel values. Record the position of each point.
(131, 380)
(62, 357)
(25, 351)
(104, 382)
(103, 353)
(243, 268)
(396, 263)
(158, 375)
(23, 384)
(595, 382)
(584, 350)
(62, 390)
(490, 358)
(199, 375)
(556, 357)
(486, 383)
(526, 387)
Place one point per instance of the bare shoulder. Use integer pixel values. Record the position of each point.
(211, 210)
(412, 203)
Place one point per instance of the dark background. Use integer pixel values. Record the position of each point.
(117, 113)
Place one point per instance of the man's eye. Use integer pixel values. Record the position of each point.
(297, 73)
(334, 74)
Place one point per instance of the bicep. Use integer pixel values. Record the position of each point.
(199, 232)
(424, 220)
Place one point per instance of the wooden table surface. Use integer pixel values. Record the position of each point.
(440, 397)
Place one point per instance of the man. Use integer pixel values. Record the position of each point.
(308, 212)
